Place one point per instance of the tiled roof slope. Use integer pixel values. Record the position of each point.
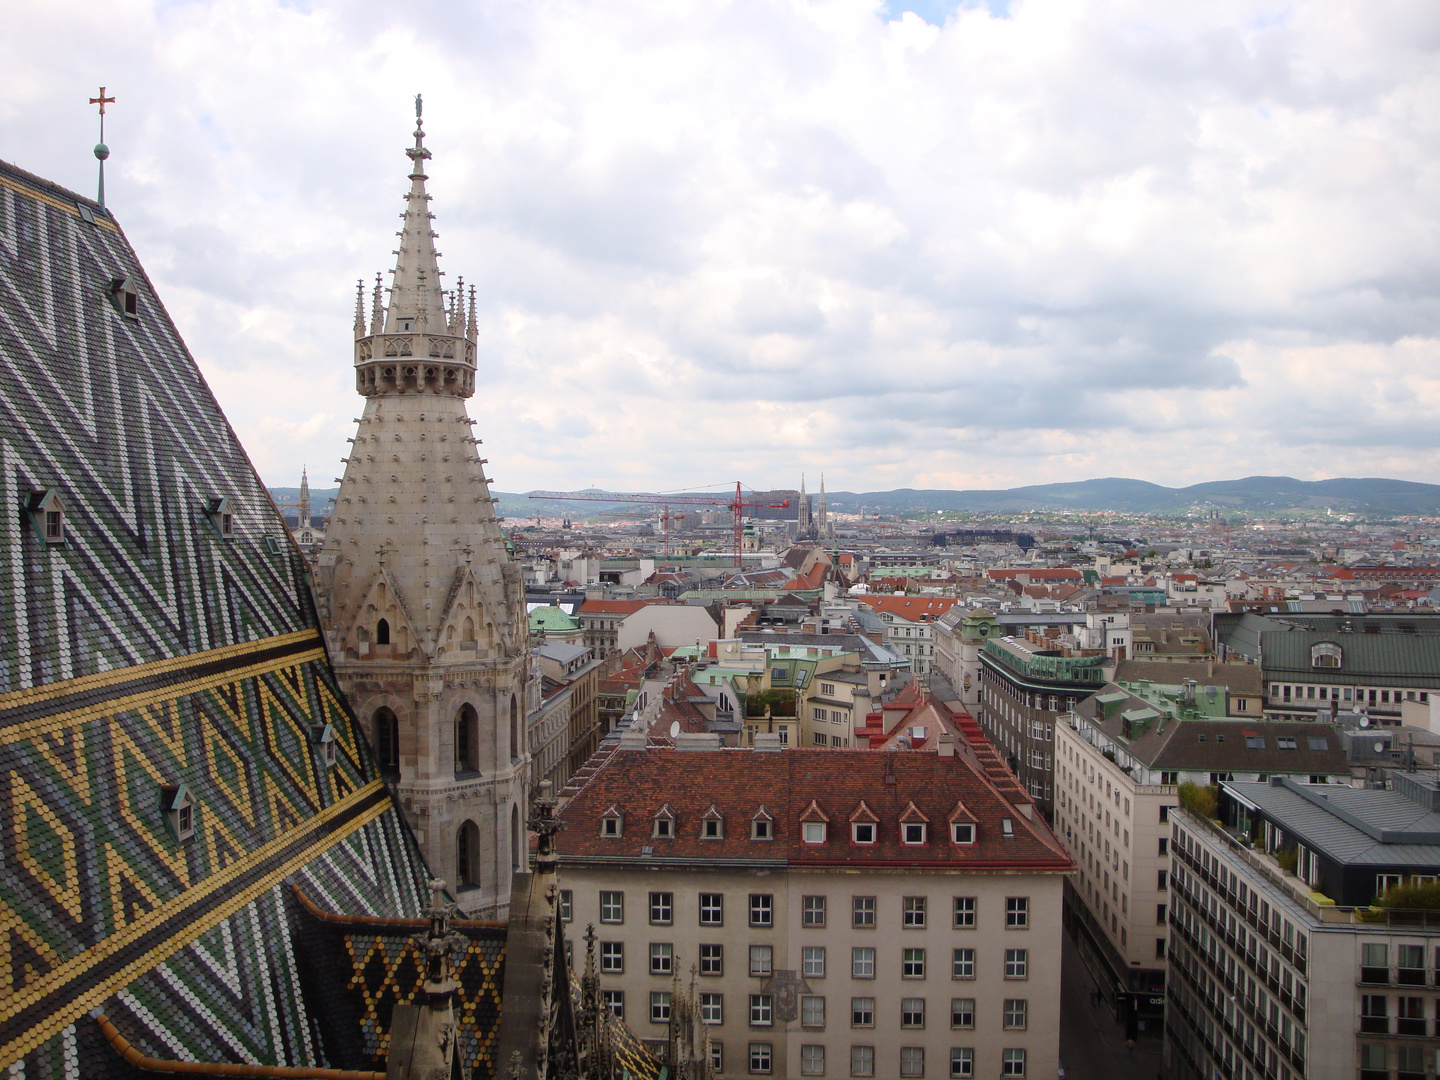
(147, 651)
(739, 782)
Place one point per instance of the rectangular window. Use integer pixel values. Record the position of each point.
(659, 1006)
(760, 961)
(812, 961)
(964, 913)
(712, 909)
(1012, 1062)
(762, 1010)
(712, 1008)
(662, 958)
(1162, 880)
(912, 832)
(915, 912)
(1017, 911)
(962, 1013)
(612, 957)
(862, 1012)
(962, 1062)
(912, 963)
(662, 908)
(912, 1012)
(1015, 1014)
(812, 1011)
(962, 963)
(614, 1000)
(612, 907)
(567, 905)
(712, 960)
(962, 832)
(912, 1061)
(812, 1060)
(1017, 962)
(762, 909)
(862, 1061)
(862, 963)
(862, 912)
(760, 1059)
(812, 911)
(813, 832)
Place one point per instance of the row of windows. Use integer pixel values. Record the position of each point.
(1014, 1012)
(762, 827)
(760, 1060)
(913, 962)
(813, 910)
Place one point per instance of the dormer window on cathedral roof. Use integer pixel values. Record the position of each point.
(48, 514)
(178, 806)
(221, 515)
(125, 296)
(323, 735)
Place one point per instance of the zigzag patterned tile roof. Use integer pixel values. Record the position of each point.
(146, 655)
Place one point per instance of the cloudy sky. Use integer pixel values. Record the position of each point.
(922, 245)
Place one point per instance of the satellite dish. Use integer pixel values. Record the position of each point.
(1379, 748)
(674, 728)
(1364, 720)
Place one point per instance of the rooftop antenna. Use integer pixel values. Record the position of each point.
(101, 150)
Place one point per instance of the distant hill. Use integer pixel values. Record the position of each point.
(1260, 494)
(1369, 495)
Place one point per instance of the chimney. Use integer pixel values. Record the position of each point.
(945, 745)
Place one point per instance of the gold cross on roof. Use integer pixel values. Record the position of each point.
(102, 101)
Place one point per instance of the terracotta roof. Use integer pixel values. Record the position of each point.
(911, 608)
(739, 782)
(613, 607)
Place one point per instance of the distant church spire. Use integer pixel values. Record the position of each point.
(822, 518)
(304, 499)
(802, 516)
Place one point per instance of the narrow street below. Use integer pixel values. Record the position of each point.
(1092, 1044)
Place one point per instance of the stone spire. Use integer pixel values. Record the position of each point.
(304, 499)
(802, 515)
(423, 607)
(822, 518)
(412, 346)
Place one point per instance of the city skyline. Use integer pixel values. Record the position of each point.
(1028, 244)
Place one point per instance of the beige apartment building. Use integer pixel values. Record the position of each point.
(843, 913)
(1120, 759)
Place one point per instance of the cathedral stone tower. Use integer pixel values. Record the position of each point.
(424, 611)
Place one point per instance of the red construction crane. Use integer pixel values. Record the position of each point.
(737, 505)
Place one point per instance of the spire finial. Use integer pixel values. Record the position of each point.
(101, 150)
(359, 307)
(377, 309)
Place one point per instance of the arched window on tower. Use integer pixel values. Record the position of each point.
(516, 850)
(467, 741)
(382, 632)
(514, 729)
(467, 856)
(386, 728)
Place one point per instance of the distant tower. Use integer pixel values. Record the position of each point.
(822, 518)
(304, 500)
(802, 515)
(424, 610)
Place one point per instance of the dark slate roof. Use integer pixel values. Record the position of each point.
(1351, 825)
(1220, 745)
(1405, 660)
(148, 652)
(739, 782)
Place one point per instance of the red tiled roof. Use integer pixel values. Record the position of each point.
(1037, 573)
(739, 782)
(911, 608)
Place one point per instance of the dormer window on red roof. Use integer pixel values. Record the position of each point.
(913, 824)
(712, 824)
(962, 825)
(863, 823)
(663, 827)
(762, 825)
(814, 824)
(612, 822)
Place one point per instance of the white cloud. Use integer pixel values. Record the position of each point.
(717, 240)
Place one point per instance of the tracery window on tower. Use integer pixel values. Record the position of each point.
(382, 632)
(467, 740)
(467, 856)
(514, 729)
(386, 727)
